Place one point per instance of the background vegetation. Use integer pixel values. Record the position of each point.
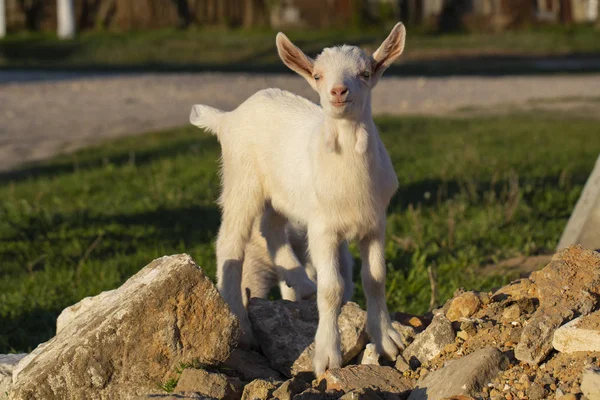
(473, 191)
(253, 50)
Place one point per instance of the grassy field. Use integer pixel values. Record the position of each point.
(473, 191)
(221, 49)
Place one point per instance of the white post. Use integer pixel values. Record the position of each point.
(2, 19)
(66, 19)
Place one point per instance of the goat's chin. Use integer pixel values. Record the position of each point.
(347, 111)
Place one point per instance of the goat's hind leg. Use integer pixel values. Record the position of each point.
(294, 282)
(259, 274)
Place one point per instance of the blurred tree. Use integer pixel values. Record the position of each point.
(33, 11)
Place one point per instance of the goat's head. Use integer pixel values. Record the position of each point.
(344, 75)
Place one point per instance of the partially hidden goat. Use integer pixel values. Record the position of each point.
(323, 168)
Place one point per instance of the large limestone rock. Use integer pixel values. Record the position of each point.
(581, 334)
(125, 342)
(464, 376)
(285, 332)
(7, 365)
(431, 341)
(569, 285)
(584, 224)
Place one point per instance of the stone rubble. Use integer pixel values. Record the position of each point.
(532, 339)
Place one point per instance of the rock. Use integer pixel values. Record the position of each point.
(218, 386)
(463, 376)
(354, 377)
(369, 356)
(407, 332)
(249, 365)
(569, 284)
(83, 306)
(8, 363)
(590, 383)
(361, 394)
(511, 313)
(285, 331)
(517, 290)
(569, 396)
(536, 392)
(401, 364)
(536, 339)
(431, 341)
(133, 337)
(174, 396)
(461, 397)
(584, 224)
(314, 394)
(259, 389)
(463, 306)
(290, 388)
(581, 334)
(415, 321)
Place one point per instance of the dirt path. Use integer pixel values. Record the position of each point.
(42, 114)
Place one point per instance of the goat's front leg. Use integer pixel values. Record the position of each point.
(379, 326)
(323, 247)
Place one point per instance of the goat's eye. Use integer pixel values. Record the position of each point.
(317, 77)
(366, 74)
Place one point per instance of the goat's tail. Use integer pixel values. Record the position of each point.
(206, 117)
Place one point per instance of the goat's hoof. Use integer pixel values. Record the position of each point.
(390, 344)
(304, 289)
(326, 359)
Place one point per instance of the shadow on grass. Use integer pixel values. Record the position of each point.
(119, 155)
(26, 331)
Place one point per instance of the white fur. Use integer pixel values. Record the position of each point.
(324, 169)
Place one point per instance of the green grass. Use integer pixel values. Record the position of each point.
(212, 48)
(472, 191)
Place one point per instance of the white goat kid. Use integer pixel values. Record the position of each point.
(324, 168)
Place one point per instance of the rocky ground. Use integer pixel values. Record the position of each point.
(44, 114)
(168, 330)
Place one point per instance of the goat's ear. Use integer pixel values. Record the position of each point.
(294, 58)
(389, 51)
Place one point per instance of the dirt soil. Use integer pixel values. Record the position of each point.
(45, 113)
(591, 322)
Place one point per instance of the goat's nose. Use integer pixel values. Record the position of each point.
(339, 90)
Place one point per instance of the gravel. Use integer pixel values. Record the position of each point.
(45, 113)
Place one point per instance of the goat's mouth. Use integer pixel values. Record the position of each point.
(340, 103)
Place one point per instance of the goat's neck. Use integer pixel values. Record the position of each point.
(341, 130)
